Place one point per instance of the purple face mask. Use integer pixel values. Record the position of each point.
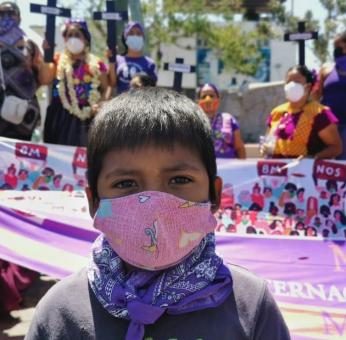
(340, 63)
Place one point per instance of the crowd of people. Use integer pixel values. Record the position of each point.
(162, 132)
(310, 124)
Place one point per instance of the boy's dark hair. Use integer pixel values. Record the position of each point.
(150, 115)
(144, 79)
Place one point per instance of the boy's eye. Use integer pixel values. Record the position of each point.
(125, 184)
(180, 180)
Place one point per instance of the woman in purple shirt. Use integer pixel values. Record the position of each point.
(132, 61)
(331, 88)
(227, 139)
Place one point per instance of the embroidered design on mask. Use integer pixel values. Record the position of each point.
(188, 204)
(105, 210)
(152, 233)
(186, 238)
(143, 198)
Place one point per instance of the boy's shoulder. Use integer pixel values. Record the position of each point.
(242, 275)
(59, 307)
(258, 312)
(70, 308)
(249, 293)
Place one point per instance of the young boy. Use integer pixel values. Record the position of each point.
(154, 273)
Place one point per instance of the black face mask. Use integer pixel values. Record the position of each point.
(338, 52)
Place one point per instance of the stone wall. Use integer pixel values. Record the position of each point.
(252, 105)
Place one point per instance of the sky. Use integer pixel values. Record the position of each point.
(299, 8)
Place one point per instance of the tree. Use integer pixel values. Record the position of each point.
(335, 11)
(208, 20)
(211, 22)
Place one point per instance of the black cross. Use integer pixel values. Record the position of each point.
(301, 36)
(51, 11)
(111, 16)
(178, 68)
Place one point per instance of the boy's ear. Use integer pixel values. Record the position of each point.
(218, 190)
(93, 202)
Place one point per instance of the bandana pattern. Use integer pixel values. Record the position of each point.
(200, 281)
(10, 32)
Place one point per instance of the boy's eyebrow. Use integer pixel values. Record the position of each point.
(122, 172)
(183, 166)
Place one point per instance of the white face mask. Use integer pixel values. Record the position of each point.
(135, 42)
(294, 91)
(75, 45)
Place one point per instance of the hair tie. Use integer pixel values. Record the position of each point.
(314, 76)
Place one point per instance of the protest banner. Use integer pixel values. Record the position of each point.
(282, 219)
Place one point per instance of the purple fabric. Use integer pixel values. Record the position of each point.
(200, 281)
(6, 24)
(224, 125)
(57, 235)
(290, 121)
(131, 25)
(334, 89)
(127, 67)
(10, 33)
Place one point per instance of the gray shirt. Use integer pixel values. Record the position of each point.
(70, 310)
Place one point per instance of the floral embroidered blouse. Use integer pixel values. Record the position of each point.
(82, 79)
(224, 125)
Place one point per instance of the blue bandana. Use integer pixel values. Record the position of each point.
(200, 281)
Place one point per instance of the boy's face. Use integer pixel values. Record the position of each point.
(178, 171)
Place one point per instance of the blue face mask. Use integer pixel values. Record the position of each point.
(135, 42)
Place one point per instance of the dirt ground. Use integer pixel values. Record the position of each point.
(15, 326)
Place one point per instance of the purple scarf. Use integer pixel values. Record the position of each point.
(200, 281)
(10, 32)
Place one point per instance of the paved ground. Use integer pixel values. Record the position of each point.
(16, 325)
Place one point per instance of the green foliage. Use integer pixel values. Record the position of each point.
(209, 21)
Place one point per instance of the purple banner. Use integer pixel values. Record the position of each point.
(307, 278)
(283, 220)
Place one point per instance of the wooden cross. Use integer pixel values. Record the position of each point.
(178, 68)
(301, 36)
(51, 11)
(111, 15)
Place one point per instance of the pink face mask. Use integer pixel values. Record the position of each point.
(153, 230)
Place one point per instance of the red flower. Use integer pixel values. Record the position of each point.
(86, 68)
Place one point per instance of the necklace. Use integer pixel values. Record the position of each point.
(67, 81)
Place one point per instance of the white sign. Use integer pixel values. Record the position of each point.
(300, 36)
(50, 10)
(111, 16)
(179, 68)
